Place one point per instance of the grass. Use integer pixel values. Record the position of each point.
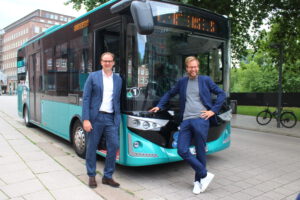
(253, 110)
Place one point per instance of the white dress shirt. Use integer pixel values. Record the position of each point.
(108, 87)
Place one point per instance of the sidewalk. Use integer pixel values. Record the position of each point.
(249, 122)
(27, 172)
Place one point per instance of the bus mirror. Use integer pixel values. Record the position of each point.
(142, 16)
(120, 6)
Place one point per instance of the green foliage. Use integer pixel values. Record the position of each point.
(88, 4)
(253, 110)
(258, 71)
(250, 110)
(256, 74)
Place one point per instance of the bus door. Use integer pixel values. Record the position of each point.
(35, 83)
(108, 39)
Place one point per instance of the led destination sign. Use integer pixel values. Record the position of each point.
(192, 19)
(188, 20)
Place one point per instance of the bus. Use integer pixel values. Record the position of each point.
(151, 40)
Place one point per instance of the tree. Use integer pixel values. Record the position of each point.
(259, 73)
(256, 74)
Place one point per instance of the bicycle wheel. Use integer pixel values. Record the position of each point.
(288, 119)
(264, 117)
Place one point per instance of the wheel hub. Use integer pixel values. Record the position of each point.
(79, 139)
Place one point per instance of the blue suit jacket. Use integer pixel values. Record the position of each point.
(206, 87)
(93, 95)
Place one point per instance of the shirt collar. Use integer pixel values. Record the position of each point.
(105, 76)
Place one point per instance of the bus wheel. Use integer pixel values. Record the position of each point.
(78, 138)
(26, 117)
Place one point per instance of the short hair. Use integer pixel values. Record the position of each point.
(107, 53)
(189, 59)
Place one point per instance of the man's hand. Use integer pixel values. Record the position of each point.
(155, 109)
(87, 126)
(207, 114)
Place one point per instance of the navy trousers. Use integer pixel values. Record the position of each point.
(103, 125)
(197, 129)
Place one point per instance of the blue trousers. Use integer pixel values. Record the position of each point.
(103, 125)
(197, 129)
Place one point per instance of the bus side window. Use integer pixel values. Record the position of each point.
(49, 75)
(61, 69)
(80, 62)
(84, 68)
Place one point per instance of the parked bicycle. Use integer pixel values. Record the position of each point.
(287, 118)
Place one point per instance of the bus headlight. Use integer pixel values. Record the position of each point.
(146, 125)
(136, 123)
(142, 123)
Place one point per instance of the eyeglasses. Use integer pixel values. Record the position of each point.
(107, 61)
(192, 67)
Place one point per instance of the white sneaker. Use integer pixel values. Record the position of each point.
(197, 187)
(206, 181)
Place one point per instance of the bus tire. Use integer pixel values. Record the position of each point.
(79, 139)
(26, 117)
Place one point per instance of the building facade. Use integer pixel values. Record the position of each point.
(3, 79)
(1, 48)
(21, 31)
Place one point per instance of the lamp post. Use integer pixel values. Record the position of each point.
(279, 46)
(279, 84)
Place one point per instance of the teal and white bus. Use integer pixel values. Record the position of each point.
(150, 39)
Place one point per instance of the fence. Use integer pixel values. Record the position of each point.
(262, 99)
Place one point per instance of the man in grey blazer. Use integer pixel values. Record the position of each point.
(101, 117)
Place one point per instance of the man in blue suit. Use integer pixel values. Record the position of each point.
(101, 117)
(196, 108)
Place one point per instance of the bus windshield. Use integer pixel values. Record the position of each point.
(155, 62)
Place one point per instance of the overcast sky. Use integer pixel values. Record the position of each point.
(12, 10)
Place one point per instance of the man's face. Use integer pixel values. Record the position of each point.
(107, 62)
(192, 69)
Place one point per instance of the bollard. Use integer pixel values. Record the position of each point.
(233, 105)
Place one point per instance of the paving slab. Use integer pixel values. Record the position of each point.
(22, 188)
(41, 195)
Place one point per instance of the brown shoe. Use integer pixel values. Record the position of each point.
(92, 182)
(110, 181)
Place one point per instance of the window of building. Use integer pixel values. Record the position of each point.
(36, 29)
